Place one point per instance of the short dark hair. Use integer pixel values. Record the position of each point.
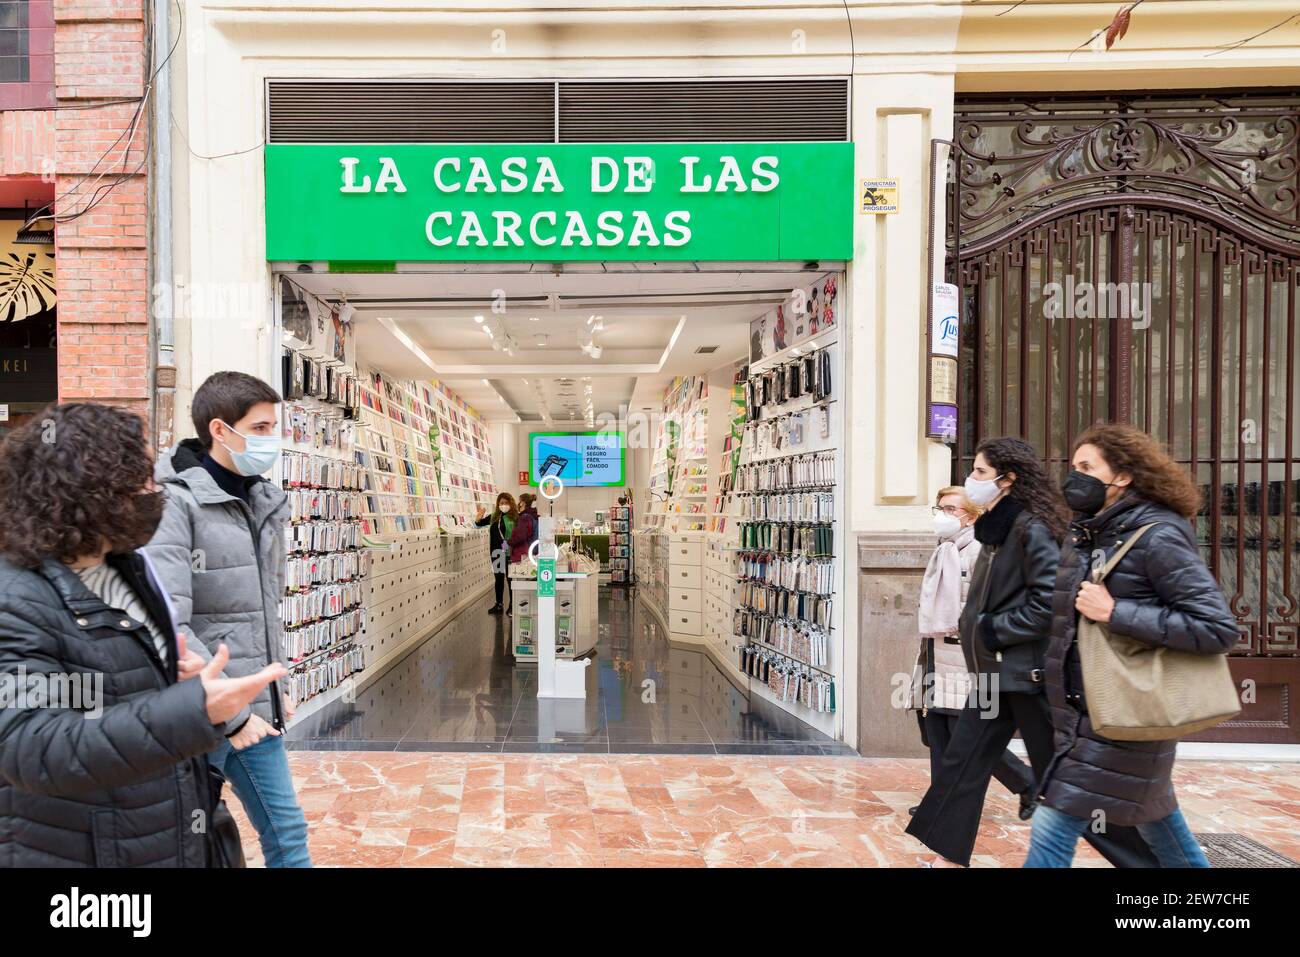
(227, 396)
(67, 480)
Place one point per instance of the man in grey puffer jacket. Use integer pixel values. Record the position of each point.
(220, 552)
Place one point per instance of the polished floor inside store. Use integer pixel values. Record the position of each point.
(461, 690)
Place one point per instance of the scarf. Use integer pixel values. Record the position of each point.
(940, 607)
(993, 527)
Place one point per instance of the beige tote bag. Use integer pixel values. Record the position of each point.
(1141, 692)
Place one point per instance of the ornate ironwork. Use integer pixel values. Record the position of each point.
(1238, 155)
(1197, 201)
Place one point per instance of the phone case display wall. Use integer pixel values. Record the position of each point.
(728, 458)
(321, 610)
(401, 494)
(787, 538)
(679, 467)
(370, 571)
(670, 549)
(621, 545)
(428, 456)
(463, 454)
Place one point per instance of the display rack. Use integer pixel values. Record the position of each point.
(622, 548)
(427, 457)
(678, 484)
(321, 610)
(788, 538)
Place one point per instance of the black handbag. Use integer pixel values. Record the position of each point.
(225, 849)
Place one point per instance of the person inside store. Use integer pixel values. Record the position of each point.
(942, 683)
(221, 553)
(500, 524)
(1003, 630)
(1158, 593)
(525, 533)
(108, 713)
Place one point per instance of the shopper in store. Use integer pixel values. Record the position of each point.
(1003, 629)
(221, 553)
(500, 524)
(525, 533)
(1158, 593)
(106, 714)
(943, 681)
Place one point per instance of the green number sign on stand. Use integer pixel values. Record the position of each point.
(546, 578)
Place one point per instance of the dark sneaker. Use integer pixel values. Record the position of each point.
(913, 809)
(1027, 805)
(494, 610)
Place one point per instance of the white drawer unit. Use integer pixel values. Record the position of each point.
(686, 553)
(686, 622)
(685, 599)
(685, 576)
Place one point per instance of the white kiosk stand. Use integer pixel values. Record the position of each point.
(555, 679)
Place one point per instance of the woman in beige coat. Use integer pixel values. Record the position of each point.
(942, 682)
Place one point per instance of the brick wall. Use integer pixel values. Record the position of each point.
(103, 275)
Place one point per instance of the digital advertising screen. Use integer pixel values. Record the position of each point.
(580, 459)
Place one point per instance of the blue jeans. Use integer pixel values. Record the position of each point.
(1054, 835)
(260, 777)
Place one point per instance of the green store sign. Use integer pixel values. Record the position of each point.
(495, 203)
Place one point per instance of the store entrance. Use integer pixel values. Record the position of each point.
(689, 412)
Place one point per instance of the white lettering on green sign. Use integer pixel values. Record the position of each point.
(570, 201)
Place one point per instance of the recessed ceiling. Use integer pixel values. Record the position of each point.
(649, 326)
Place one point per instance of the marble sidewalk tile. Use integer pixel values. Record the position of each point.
(467, 809)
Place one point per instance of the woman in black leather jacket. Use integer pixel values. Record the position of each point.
(1004, 629)
(1160, 593)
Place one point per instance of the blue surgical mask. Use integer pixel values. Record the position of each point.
(260, 454)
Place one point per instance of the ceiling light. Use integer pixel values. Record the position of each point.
(534, 318)
(488, 330)
(479, 320)
(541, 341)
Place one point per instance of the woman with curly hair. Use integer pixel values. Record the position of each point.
(1003, 630)
(108, 717)
(1160, 593)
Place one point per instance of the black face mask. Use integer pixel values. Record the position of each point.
(1084, 493)
(148, 513)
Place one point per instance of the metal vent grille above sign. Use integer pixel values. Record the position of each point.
(638, 111)
(401, 111)
(701, 111)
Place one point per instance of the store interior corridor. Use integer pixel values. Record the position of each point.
(462, 690)
(679, 428)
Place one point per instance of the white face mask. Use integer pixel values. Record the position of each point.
(946, 526)
(982, 491)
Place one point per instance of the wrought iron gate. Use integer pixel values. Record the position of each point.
(1138, 259)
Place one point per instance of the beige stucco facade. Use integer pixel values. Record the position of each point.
(908, 58)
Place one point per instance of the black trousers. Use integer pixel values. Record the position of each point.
(936, 731)
(948, 818)
(502, 586)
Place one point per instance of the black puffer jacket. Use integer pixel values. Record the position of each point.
(115, 790)
(1008, 609)
(1164, 595)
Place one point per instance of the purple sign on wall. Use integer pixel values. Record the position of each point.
(942, 422)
